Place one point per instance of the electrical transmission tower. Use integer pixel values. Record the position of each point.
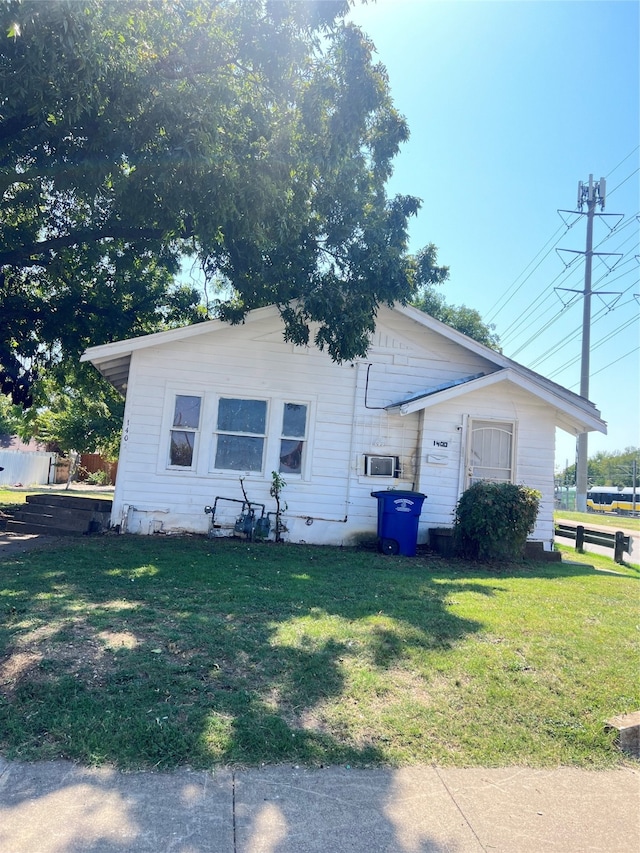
(592, 194)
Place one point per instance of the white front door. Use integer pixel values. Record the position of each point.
(490, 452)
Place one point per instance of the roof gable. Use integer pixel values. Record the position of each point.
(576, 413)
(113, 360)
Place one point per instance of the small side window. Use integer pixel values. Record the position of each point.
(293, 438)
(186, 423)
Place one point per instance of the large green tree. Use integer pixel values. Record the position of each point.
(255, 136)
(10, 417)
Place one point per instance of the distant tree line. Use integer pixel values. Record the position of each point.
(608, 468)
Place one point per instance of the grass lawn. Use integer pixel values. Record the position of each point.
(162, 651)
(13, 497)
(600, 519)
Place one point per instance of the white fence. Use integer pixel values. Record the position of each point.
(29, 469)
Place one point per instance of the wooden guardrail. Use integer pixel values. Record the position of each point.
(581, 534)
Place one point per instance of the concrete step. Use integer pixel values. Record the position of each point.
(76, 523)
(627, 727)
(71, 502)
(61, 514)
(31, 512)
(534, 550)
(19, 527)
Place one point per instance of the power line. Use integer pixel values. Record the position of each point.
(497, 302)
(595, 346)
(539, 307)
(611, 363)
(624, 160)
(524, 319)
(567, 339)
(514, 330)
(635, 172)
(527, 319)
(631, 220)
(491, 316)
(494, 311)
(546, 326)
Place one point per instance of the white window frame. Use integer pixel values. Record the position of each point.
(169, 427)
(203, 458)
(281, 403)
(215, 432)
(272, 437)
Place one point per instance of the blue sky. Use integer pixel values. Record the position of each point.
(510, 103)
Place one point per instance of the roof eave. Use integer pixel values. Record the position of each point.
(581, 416)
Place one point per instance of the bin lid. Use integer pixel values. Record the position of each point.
(397, 493)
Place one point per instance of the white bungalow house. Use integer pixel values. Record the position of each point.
(428, 410)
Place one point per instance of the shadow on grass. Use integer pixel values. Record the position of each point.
(159, 652)
(573, 564)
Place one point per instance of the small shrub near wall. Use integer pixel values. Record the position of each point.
(493, 520)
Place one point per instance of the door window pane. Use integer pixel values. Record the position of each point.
(491, 452)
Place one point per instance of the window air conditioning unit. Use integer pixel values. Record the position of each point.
(382, 466)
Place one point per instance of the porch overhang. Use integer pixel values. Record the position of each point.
(573, 414)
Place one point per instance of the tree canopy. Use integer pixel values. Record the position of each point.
(256, 137)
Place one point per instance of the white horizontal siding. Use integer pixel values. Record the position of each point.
(534, 450)
(350, 421)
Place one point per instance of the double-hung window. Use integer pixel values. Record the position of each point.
(184, 432)
(240, 434)
(249, 435)
(293, 438)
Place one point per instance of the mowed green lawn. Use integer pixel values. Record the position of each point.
(13, 497)
(600, 519)
(167, 651)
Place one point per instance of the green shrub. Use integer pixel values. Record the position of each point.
(99, 478)
(493, 520)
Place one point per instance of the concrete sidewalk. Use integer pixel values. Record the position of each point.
(58, 807)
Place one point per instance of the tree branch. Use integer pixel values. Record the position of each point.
(28, 255)
(14, 126)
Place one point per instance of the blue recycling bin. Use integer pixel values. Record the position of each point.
(398, 517)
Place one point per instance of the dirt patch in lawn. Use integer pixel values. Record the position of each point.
(14, 544)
